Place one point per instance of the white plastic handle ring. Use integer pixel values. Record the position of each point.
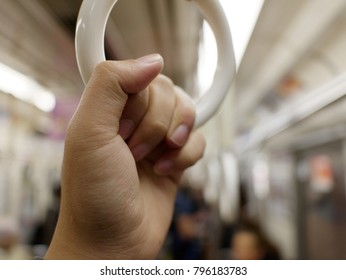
(90, 32)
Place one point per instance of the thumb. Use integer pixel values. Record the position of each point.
(106, 93)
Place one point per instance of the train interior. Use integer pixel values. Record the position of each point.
(276, 150)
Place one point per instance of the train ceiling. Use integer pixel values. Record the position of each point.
(296, 46)
(37, 38)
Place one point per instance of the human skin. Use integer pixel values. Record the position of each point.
(126, 148)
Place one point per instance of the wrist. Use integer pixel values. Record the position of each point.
(69, 243)
(72, 243)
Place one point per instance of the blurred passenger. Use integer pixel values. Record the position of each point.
(249, 243)
(44, 231)
(188, 226)
(10, 247)
(228, 229)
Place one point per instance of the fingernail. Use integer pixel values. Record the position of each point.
(150, 59)
(163, 167)
(180, 135)
(126, 128)
(140, 151)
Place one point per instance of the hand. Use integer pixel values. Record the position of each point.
(126, 148)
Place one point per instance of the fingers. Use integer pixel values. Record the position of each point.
(154, 126)
(163, 113)
(106, 93)
(183, 119)
(134, 111)
(174, 161)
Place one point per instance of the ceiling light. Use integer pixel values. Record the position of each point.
(25, 89)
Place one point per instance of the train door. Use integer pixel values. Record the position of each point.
(322, 202)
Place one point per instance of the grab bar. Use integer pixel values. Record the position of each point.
(90, 32)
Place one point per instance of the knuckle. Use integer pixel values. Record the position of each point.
(185, 105)
(152, 133)
(159, 127)
(188, 114)
(181, 92)
(202, 145)
(193, 152)
(164, 81)
(190, 159)
(105, 76)
(201, 140)
(104, 68)
(199, 146)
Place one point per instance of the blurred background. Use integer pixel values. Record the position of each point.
(272, 182)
